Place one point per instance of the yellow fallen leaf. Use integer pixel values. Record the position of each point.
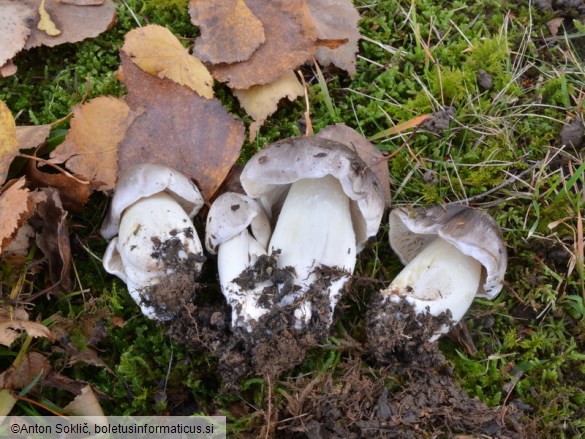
(157, 51)
(260, 101)
(7, 401)
(8, 140)
(45, 23)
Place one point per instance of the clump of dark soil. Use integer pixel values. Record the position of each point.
(423, 401)
(179, 286)
(395, 330)
(273, 345)
(439, 120)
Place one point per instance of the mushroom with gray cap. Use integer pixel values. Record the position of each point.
(324, 203)
(151, 235)
(238, 231)
(452, 254)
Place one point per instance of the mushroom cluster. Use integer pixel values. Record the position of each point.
(452, 254)
(152, 238)
(291, 242)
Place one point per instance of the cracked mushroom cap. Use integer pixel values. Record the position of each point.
(143, 181)
(471, 231)
(231, 214)
(269, 174)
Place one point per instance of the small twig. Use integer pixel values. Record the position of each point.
(309, 125)
(54, 166)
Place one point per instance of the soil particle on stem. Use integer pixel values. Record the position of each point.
(395, 330)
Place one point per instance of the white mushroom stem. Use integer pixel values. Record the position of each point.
(314, 229)
(234, 256)
(129, 256)
(441, 278)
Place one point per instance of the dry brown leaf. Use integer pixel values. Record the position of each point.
(367, 151)
(74, 195)
(16, 20)
(53, 238)
(290, 41)
(260, 101)
(240, 32)
(85, 404)
(33, 366)
(180, 129)
(31, 136)
(12, 326)
(88, 356)
(8, 141)
(45, 23)
(157, 51)
(14, 210)
(336, 20)
(7, 70)
(91, 146)
(554, 25)
(75, 22)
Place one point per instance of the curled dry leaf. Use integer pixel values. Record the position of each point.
(157, 51)
(180, 129)
(75, 22)
(260, 101)
(53, 238)
(73, 194)
(290, 41)
(8, 141)
(241, 32)
(15, 209)
(336, 20)
(31, 136)
(91, 146)
(33, 366)
(45, 23)
(85, 404)
(13, 324)
(16, 20)
(366, 150)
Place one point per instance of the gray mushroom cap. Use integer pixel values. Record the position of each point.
(231, 214)
(471, 231)
(143, 181)
(269, 174)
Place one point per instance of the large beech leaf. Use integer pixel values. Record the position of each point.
(91, 146)
(230, 32)
(157, 51)
(178, 128)
(291, 40)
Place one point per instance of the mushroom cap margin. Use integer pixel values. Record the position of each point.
(144, 180)
(270, 173)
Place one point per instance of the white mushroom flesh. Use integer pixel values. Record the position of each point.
(314, 230)
(441, 278)
(153, 219)
(234, 256)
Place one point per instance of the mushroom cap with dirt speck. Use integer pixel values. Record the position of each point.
(147, 179)
(269, 174)
(232, 213)
(471, 231)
